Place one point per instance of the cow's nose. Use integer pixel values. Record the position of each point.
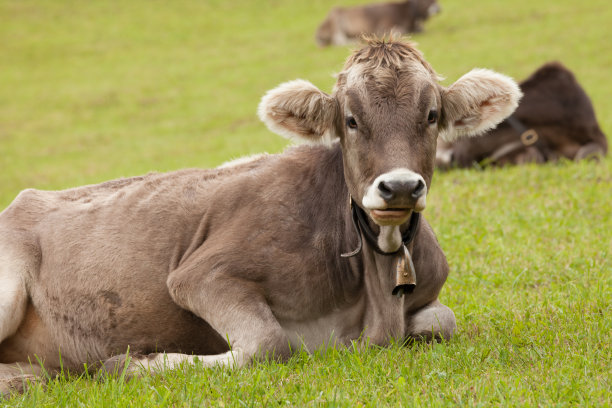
(391, 189)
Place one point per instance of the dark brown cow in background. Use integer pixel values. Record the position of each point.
(344, 25)
(308, 247)
(554, 119)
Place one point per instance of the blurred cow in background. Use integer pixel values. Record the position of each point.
(345, 25)
(554, 119)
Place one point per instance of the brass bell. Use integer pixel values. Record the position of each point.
(405, 275)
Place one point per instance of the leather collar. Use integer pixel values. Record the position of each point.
(360, 222)
(527, 137)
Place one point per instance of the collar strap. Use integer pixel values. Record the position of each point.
(516, 124)
(527, 137)
(360, 222)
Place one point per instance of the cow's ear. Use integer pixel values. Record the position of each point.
(298, 110)
(477, 102)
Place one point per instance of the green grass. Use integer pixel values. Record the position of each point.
(91, 91)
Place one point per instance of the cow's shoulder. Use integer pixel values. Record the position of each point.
(428, 248)
(430, 264)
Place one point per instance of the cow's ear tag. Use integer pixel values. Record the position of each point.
(405, 275)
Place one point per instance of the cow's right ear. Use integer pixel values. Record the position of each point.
(298, 110)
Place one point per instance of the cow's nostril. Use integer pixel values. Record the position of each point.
(385, 190)
(419, 189)
(396, 192)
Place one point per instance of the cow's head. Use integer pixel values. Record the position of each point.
(387, 110)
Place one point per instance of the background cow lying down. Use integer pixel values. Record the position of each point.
(554, 119)
(344, 25)
(303, 247)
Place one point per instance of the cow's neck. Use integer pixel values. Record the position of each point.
(384, 315)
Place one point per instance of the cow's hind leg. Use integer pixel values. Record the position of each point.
(16, 260)
(434, 321)
(13, 294)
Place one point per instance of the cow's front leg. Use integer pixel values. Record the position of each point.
(235, 307)
(137, 364)
(432, 321)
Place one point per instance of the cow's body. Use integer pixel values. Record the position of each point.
(101, 285)
(344, 25)
(556, 107)
(250, 253)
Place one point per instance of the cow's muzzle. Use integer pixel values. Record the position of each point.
(400, 189)
(392, 197)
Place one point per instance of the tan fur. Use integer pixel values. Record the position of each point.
(299, 110)
(477, 102)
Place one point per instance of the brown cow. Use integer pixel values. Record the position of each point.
(344, 25)
(554, 119)
(305, 247)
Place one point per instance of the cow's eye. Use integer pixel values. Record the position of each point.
(351, 122)
(432, 117)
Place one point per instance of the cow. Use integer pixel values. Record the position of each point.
(344, 25)
(554, 120)
(321, 245)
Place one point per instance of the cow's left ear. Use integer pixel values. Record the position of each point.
(299, 110)
(477, 102)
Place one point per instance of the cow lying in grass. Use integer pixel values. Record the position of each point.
(322, 243)
(344, 25)
(555, 119)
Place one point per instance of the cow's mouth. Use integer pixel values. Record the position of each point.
(390, 216)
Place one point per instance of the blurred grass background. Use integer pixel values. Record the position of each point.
(96, 90)
(91, 91)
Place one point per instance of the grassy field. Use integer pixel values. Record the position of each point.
(91, 91)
